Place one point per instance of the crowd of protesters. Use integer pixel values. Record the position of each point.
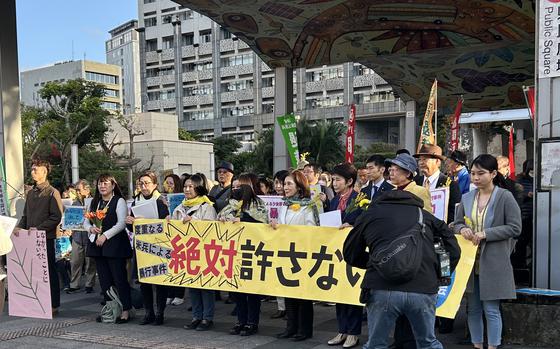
(485, 206)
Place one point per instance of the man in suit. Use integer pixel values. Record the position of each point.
(429, 162)
(375, 166)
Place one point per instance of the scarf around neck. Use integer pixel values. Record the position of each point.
(199, 200)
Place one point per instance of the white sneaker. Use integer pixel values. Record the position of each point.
(177, 301)
(351, 341)
(169, 300)
(337, 340)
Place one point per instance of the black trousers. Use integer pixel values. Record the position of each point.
(148, 297)
(53, 274)
(248, 308)
(349, 319)
(112, 272)
(176, 292)
(300, 316)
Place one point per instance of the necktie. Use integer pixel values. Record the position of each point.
(427, 184)
(374, 191)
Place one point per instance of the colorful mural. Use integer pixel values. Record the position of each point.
(483, 50)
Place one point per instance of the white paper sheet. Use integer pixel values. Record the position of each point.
(147, 209)
(330, 219)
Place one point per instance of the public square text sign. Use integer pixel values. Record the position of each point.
(291, 261)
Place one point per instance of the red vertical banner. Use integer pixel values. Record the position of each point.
(530, 99)
(350, 134)
(455, 125)
(511, 154)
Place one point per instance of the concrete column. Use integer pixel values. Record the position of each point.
(348, 69)
(143, 87)
(283, 104)
(10, 127)
(216, 80)
(479, 142)
(410, 125)
(301, 88)
(178, 69)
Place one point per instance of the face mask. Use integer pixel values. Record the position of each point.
(531, 173)
(321, 182)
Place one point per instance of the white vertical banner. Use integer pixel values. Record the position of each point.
(549, 38)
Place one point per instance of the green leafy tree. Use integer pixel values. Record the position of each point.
(225, 148)
(323, 140)
(73, 115)
(361, 154)
(185, 135)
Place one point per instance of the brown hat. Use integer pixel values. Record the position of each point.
(431, 151)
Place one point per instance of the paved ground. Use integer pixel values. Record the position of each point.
(75, 327)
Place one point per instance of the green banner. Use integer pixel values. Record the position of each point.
(288, 126)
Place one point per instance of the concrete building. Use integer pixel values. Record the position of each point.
(106, 74)
(223, 88)
(123, 49)
(159, 146)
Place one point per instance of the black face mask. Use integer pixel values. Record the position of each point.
(236, 194)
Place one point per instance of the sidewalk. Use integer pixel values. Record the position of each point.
(75, 327)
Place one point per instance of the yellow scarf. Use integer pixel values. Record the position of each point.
(199, 200)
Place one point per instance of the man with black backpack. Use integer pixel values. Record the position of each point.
(402, 266)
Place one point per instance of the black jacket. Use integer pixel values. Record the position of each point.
(385, 186)
(454, 193)
(392, 214)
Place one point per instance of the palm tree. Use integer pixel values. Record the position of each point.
(323, 140)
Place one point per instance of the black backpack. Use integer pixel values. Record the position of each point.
(400, 260)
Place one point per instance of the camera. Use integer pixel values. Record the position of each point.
(443, 261)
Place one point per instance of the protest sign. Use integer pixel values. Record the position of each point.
(288, 127)
(62, 247)
(28, 276)
(7, 225)
(174, 200)
(440, 201)
(73, 218)
(272, 204)
(316, 190)
(292, 261)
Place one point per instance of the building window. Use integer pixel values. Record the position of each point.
(183, 16)
(198, 90)
(237, 85)
(362, 70)
(374, 97)
(327, 102)
(197, 66)
(150, 22)
(110, 105)
(153, 96)
(237, 111)
(198, 115)
(151, 45)
(102, 78)
(111, 93)
(237, 60)
(165, 95)
(187, 39)
(166, 71)
(205, 36)
(224, 34)
(268, 108)
(149, 1)
(167, 42)
(268, 82)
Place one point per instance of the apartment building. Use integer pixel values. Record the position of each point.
(217, 85)
(106, 74)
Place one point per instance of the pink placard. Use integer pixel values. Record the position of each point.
(28, 276)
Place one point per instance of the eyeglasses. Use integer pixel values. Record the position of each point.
(145, 183)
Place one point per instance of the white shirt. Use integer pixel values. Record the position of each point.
(377, 184)
(433, 180)
(122, 211)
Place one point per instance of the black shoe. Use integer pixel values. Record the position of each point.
(446, 325)
(285, 334)
(235, 330)
(158, 320)
(205, 325)
(193, 325)
(249, 330)
(148, 319)
(71, 290)
(300, 337)
(279, 314)
(121, 320)
(89, 289)
(98, 318)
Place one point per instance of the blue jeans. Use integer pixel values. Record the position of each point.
(384, 307)
(474, 317)
(202, 304)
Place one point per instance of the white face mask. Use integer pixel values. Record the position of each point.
(531, 173)
(322, 182)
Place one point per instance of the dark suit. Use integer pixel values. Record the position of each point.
(454, 193)
(385, 186)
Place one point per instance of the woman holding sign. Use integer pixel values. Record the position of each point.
(489, 217)
(148, 191)
(245, 206)
(299, 210)
(348, 317)
(172, 185)
(108, 241)
(197, 206)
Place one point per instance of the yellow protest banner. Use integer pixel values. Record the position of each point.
(292, 261)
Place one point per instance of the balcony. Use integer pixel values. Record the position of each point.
(153, 81)
(167, 54)
(205, 48)
(236, 70)
(187, 51)
(237, 95)
(152, 57)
